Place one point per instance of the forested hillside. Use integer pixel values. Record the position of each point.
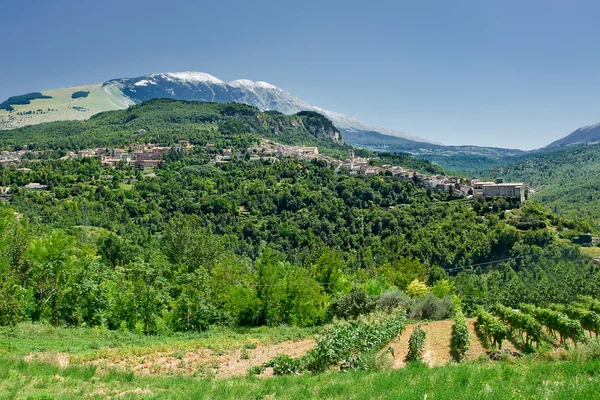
(166, 121)
(565, 180)
(253, 242)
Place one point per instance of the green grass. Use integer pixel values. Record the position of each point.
(96, 101)
(84, 343)
(526, 379)
(573, 374)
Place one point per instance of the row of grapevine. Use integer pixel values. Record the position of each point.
(490, 328)
(459, 343)
(343, 344)
(415, 344)
(521, 323)
(590, 320)
(589, 303)
(556, 322)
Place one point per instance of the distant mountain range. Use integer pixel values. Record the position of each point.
(198, 86)
(81, 102)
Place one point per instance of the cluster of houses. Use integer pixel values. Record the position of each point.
(8, 158)
(141, 156)
(268, 150)
(145, 156)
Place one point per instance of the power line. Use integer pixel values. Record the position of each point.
(335, 283)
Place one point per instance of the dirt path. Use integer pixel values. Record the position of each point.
(436, 350)
(476, 348)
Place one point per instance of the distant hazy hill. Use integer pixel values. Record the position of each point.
(565, 179)
(586, 134)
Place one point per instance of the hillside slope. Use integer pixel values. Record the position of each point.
(166, 121)
(587, 134)
(566, 180)
(197, 86)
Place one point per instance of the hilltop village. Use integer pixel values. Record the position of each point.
(148, 156)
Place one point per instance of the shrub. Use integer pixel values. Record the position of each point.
(255, 370)
(442, 288)
(354, 304)
(417, 288)
(80, 94)
(415, 344)
(389, 301)
(432, 307)
(286, 365)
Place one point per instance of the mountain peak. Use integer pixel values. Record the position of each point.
(247, 83)
(187, 76)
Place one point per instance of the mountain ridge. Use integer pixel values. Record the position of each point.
(121, 93)
(188, 85)
(585, 134)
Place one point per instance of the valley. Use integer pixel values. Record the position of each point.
(177, 246)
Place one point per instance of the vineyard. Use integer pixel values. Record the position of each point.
(359, 349)
(527, 329)
(532, 326)
(380, 341)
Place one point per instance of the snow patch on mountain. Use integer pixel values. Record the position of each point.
(144, 82)
(188, 76)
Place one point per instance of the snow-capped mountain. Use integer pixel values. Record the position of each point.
(81, 102)
(200, 86)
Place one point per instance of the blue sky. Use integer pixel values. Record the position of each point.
(495, 73)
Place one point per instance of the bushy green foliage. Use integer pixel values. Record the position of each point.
(432, 307)
(521, 323)
(169, 258)
(348, 345)
(352, 305)
(490, 328)
(589, 303)
(285, 365)
(415, 344)
(459, 342)
(590, 320)
(556, 322)
(392, 299)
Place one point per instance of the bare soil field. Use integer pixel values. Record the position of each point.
(206, 362)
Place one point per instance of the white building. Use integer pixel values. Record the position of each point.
(514, 190)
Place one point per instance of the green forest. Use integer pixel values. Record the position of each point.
(250, 243)
(565, 180)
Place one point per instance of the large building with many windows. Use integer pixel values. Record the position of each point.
(514, 190)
